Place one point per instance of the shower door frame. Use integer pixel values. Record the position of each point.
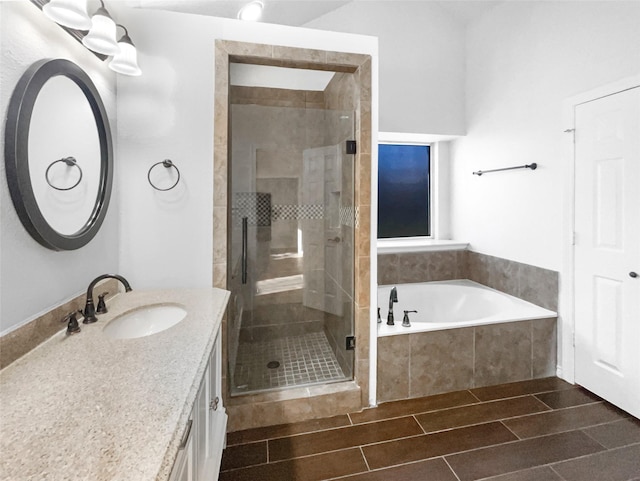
(360, 66)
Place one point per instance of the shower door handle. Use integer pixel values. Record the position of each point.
(244, 250)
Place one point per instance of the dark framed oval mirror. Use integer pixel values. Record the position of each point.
(58, 154)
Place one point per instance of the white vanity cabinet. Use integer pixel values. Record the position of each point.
(183, 466)
(201, 450)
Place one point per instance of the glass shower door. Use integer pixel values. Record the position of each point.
(291, 253)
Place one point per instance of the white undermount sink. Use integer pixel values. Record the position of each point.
(145, 321)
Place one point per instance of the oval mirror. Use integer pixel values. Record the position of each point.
(58, 154)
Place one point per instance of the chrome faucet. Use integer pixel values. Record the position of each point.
(393, 297)
(89, 308)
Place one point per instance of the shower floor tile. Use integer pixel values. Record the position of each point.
(303, 360)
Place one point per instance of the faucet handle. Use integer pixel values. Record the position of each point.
(72, 322)
(101, 308)
(89, 312)
(405, 319)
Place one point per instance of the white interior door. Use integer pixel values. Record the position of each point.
(607, 248)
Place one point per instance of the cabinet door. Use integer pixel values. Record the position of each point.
(199, 458)
(183, 468)
(217, 419)
(201, 435)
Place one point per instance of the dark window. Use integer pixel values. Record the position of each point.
(403, 191)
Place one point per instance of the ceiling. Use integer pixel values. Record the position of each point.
(467, 11)
(299, 12)
(284, 12)
(296, 13)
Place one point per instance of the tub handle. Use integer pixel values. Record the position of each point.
(405, 319)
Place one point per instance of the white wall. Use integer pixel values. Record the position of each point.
(421, 62)
(523, 59)
(33, 278)
(168, 113)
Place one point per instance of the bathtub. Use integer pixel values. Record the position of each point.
(452, 304)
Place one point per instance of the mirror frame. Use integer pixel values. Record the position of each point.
(17, 154)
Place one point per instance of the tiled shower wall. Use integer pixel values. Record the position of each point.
(277, 135)
(429, 363)
(533, 284)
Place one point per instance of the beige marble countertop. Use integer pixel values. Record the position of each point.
(87, 407)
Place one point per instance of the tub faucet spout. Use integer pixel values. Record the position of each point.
(393, 297)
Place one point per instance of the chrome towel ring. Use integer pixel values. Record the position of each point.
(167, 164)
(71, 162)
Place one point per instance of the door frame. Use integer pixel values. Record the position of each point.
(566, 355)
(361, 392)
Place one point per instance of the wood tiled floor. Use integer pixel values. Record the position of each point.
(540, 430)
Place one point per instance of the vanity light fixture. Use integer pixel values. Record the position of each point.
(126, 61)
(69, 13)
(102, 36)
(251, 12)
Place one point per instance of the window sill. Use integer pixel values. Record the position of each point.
(394, 246)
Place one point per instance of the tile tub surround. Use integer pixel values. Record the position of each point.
(428, 363)
(427, 266)
(540, 430)
(20, 341)
(534, 284)
(90, 407)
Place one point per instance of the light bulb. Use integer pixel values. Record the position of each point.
(251, 12)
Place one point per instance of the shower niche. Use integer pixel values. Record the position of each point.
(291, 232)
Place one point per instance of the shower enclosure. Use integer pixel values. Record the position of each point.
(291, 245)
